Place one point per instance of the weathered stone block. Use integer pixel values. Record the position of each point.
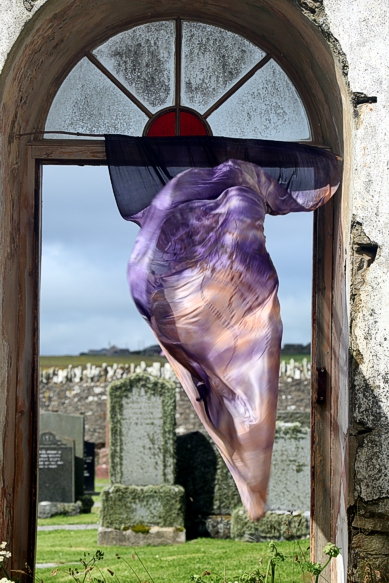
(155, 536)
(273, 526)
(48, 509)
(375, 544)
(123, 507)
(218, 526)
(142, 437)
(290, 480)
(371, 524)
(369, 558)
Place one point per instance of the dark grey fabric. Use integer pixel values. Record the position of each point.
(140, 167)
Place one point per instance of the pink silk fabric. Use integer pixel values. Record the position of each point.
(201, 276)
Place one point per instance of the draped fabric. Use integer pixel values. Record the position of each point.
(202, 278)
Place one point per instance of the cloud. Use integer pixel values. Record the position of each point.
(85, 301)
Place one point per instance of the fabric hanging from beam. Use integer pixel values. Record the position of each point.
(202, 278)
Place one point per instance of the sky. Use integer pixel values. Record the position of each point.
(85, 301)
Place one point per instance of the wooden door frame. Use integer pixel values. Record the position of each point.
(323, 465)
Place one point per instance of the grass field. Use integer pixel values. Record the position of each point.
(166, 564)
(63, 361)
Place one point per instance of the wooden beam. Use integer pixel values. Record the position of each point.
(68, 151)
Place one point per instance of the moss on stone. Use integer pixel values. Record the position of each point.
(151, 386)
(128, 506)
(141, 528)
(273, 526)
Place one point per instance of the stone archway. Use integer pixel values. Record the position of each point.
(45, 51)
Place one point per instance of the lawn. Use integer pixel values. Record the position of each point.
(92, 518)
(173, 564)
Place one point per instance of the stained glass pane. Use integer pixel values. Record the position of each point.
(213, 60)
(266, 107)
(88, 102)
(190, 125)
(164, 125)
(143, 60)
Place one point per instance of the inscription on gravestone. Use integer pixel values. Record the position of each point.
(142, 425)
(71, 427)
(142, 438)
(89, 467)
(56, 468)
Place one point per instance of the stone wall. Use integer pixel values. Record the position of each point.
(88, 397)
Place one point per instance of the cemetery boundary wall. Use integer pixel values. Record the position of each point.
(83, 391)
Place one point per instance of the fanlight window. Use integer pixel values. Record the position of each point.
(178, 77)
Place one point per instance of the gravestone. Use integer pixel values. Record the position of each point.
(71, 427)
(211, 493)
(142, 436)
(290, 480)
(89, 467)
(143, 506)
(56, 468)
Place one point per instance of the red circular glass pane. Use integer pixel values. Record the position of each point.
(190, 125)
(165, 125)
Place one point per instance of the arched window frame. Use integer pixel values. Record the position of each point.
(325, 126)
(178, 108)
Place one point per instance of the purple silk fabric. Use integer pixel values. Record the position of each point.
(201, 276)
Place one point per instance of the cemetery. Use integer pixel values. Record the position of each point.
(333, 57)
(168, 481)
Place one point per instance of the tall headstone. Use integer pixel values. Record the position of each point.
(142, 437)
(71, 427)
(143, 506)
(56, 468)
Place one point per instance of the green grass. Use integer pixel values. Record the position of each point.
(92, 518)
(170, 564)
(64, 361)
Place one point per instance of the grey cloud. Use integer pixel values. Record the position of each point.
(86, 246)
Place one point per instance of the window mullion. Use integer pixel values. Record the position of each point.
(178, 74)
(237, 85)
(119, 85)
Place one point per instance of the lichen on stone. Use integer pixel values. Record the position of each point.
(273, 526)
(129, 506)
(151, 386)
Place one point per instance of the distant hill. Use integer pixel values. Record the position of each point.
(154, 350)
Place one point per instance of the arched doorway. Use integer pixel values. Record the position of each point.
(53, 42)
